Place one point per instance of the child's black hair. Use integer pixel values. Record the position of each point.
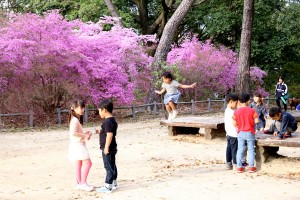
(168, 75)
(75, 104)
(282, 78)
(231, 97)
(244, 97)
(106, 104)
(274, 111)
(257, 94)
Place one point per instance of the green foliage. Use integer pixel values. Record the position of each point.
(171, 68)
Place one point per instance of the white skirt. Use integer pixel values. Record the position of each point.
(78, 151)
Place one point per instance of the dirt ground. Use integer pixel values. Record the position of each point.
(151, 165)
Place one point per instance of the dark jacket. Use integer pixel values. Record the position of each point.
(281, 90)
(287, 120)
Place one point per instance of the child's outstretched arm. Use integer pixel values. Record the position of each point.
(160, 92)
(187, 86)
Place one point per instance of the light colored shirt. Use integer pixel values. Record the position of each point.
(75, 126)
(230, 129)
(171, 88)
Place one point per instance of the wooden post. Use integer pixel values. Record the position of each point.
(208, 104)
(31, 119)
(268, 102)
(154, 108)
(193, 107)
(224, 105)
(85, 118)
(162, 103)
(0, 122)
(59, 120)
(133, 111)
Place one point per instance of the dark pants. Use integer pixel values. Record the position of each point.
(231, 150)
(109, 161)
(278, 99)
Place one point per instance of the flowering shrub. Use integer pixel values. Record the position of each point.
(214, 69)
(47, 61)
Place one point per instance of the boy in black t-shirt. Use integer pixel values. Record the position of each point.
(108, 145)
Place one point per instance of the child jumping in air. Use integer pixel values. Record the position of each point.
(172, 96)
(108, 145)
(77, 149)
(261, 110)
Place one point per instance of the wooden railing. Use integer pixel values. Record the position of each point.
(153, 107)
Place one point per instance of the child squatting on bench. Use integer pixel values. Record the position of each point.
(284, 124)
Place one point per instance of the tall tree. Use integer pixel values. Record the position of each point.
(113, 10)
(243, 82)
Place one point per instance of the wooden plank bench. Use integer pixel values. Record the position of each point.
(296, 114)
(213, 126)
(267, 146)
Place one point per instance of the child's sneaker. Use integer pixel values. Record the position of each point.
(266, 132)
(286, 135)
(175, 113)
(170, 117)
(240, 170)
(245, 164)
(229, 166)
(234, 166)
(78, 186)
(114, 185)
(86, 187)
(104, 189)
(252, 169)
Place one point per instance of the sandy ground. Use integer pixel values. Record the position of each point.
(151, 165)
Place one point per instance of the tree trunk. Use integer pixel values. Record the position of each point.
(168, 35)
(113, 10)
(243, 82)
(143, 15)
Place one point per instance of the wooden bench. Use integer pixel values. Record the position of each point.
(296, 114)
(213, 126)
(267, 146)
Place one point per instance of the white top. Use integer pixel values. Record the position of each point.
(172, 87)
(77, 146)
(75, 126)
(230, 129)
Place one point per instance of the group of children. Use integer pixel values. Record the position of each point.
(77, 148)
(243, 119)
(78, 151)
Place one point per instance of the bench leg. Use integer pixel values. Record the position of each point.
(213, 133)
(174, 130)
(263, 153)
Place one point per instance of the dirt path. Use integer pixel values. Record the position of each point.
(151, 166)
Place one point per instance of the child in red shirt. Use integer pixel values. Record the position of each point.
(245, 118)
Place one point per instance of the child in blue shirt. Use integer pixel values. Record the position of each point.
(284, 125)
(261, 110)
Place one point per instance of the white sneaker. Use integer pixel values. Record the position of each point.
(170, 116)
(175, 112)
(104, 189)
(86, 187)
(114, 185)
(78, 187)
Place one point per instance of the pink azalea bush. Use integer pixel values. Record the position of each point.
(214, 69)
(48, 61)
